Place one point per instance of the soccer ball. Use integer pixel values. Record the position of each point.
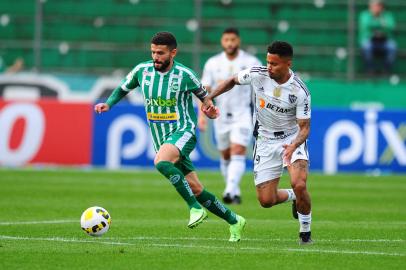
(95, 221)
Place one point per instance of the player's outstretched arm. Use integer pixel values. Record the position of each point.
(224, 87)
(208, 107)
(113, 99)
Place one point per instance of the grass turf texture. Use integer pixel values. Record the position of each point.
(359, 222)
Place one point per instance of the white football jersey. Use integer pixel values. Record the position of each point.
(219, 68)
(277, 106)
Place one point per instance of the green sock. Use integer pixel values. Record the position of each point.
(178, 180)
(212, 204)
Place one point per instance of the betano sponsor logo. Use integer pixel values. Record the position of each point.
(161, 102)
(264, 104)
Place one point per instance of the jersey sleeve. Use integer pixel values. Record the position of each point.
(131, 80)
(303, 110)
(192, 82)
(245, 76)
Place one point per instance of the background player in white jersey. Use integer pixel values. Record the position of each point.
(233, 128)
(282, 104)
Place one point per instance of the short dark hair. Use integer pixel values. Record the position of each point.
(165, 38)
(231, 30)
(281, 48)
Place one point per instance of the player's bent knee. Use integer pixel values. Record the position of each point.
(268, 203)
(299, 187)
(238, 150)
(158, 160)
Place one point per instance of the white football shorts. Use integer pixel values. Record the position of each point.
(268, 156)
(237, 131)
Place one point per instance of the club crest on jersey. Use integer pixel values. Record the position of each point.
(292, 98)
(277, 92)
(174, 87)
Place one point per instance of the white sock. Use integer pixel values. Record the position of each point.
(224, 167)
(305, 221)
(235, 171)
(291, 195)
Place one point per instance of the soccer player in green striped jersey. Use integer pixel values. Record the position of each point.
(167, 87)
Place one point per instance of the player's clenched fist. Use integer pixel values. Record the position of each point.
(101, 107)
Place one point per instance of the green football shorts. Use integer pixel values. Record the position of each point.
(185, 141)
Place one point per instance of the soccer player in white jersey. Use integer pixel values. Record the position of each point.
(233, 128)
(282, 104)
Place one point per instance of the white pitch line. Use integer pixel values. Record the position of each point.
(256, 239)
(306, 250)
(346, 252)
(58, 239)
(37, 222)
(320, 222)
(207, 247)
(287, 249)
(33, 222)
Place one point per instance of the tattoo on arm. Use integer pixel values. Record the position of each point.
(304, 130)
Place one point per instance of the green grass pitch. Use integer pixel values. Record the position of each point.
(359, 222)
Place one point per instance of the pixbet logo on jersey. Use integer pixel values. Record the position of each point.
(161, 102)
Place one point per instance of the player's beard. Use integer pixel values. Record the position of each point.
(164, 65)
(231, 51)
